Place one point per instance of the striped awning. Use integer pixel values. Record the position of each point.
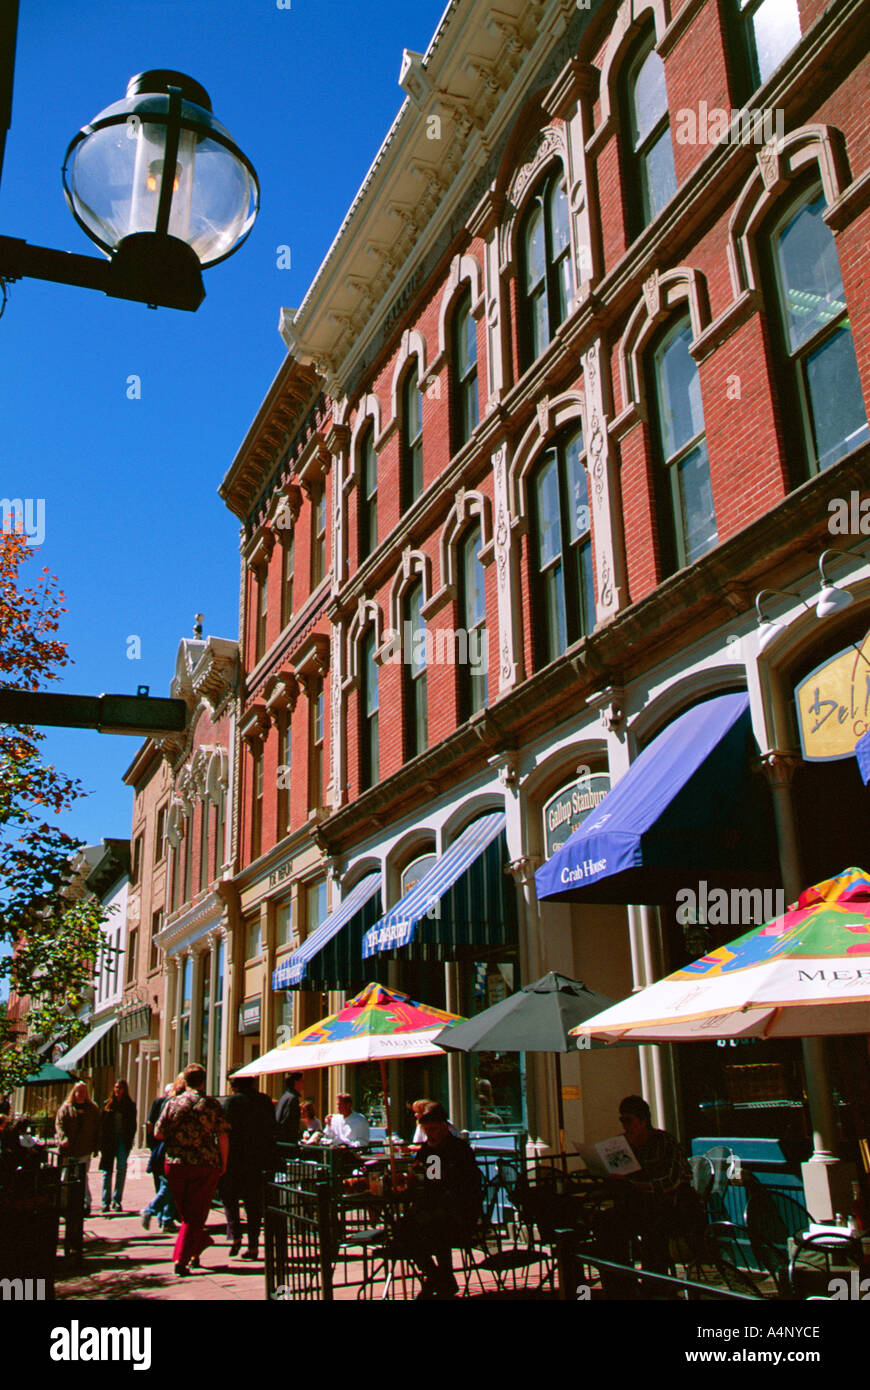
(82, 1049)
(464, 900)
(320, 962)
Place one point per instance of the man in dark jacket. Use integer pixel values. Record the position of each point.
(287, 1109)
(446, 1205)
(251, 1116)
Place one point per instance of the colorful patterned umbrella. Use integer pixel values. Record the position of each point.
(805, 974)
(380, 1024)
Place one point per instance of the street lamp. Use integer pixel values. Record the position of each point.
(162, 189)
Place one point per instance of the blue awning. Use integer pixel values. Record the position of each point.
(464, 899)
(689, 807)
(312, 963)
(862, 753)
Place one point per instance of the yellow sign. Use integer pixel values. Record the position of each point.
(570, 1092)
(833, 705)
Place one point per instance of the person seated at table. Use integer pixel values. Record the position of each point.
(348, 1126)
(654, 1204)
(418, 1109)
(311, 1131)
(445, 1207)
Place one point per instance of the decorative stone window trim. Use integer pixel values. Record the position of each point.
(550, 419)
(281, 691)
(462, 269)
(777, 163)
(368, 414)
(284, 510)
(217, 775)
(261, 547)
(631, 18)
(311, 657)
(415, 565)
(368, 614)
(255, 723)
(469, 505)
(663, 296)
(413, 344)
(313, 465)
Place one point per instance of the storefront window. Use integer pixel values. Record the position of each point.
(206, 998)
(495, 1079)
(218, 1018)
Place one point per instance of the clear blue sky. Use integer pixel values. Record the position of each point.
(135, 530)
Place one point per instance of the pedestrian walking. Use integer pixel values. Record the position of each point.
(117, 1136)
(77, 1131)
(196, 1135)
(287, 1109)
(162, 1205)
(253, 1131)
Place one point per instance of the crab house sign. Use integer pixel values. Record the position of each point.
(570, 806)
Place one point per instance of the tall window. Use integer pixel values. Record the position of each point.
(218, 989)
(368, 708)
(205, 999)
(132, 955)
(368, 495)
(156, 929)
(288, 560)
(414, 670)
(650, 177)
(262, 600)
(562, 549)
(412, 440)
(136, 861)
(220, 832)
(175, 866)
(253, 938)
(464, 376)
(315, 905)
(821, 376)
(769, 30)
(284, 924)
(160, 835)
(188, 855)
(684, 490)
(256, 764)
(186, 991)
(315, 746)
(472, 679)
(284, 763)
(318, 536)
(545, 241)
(203, 843)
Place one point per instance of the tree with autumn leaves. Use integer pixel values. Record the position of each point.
(54, 940)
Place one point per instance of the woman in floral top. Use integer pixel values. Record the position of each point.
(196, 1135)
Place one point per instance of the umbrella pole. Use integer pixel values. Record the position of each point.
(392, 1157)
(560, 1109)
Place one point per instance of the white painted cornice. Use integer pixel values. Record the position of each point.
(473, 78)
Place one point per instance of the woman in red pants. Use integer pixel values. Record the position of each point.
(196, 1136)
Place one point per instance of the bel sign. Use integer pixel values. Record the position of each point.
(833, 705)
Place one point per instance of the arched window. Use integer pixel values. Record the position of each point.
(256, 768)
(561, 549)
(261, 612)
(472, 673)
(412, 440)
(464, 372)
(545, 270)
(368, 712)
(818, 367)
(685, 494)
(288, 564)
(414, 670)
(650, 178)
(368, 495)
(766, 31)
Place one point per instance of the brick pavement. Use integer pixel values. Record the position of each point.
(123, 1262)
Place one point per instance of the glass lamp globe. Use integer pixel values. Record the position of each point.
(158, 164)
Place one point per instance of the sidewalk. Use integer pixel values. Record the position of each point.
(122, 1261)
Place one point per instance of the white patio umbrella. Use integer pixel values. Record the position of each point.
(805, 974)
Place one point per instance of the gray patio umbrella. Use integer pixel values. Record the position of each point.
(538, 1018)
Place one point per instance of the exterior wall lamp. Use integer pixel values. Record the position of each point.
(162, 189)
(832, 599)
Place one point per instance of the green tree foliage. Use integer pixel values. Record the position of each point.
(54, 941)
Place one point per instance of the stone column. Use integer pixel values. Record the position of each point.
(826, 1178)
(213, 1082)
(267, 997)
(506, 544)
(165, 1058)
(176, 1021)
(195, 1030)
(226, 1012)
